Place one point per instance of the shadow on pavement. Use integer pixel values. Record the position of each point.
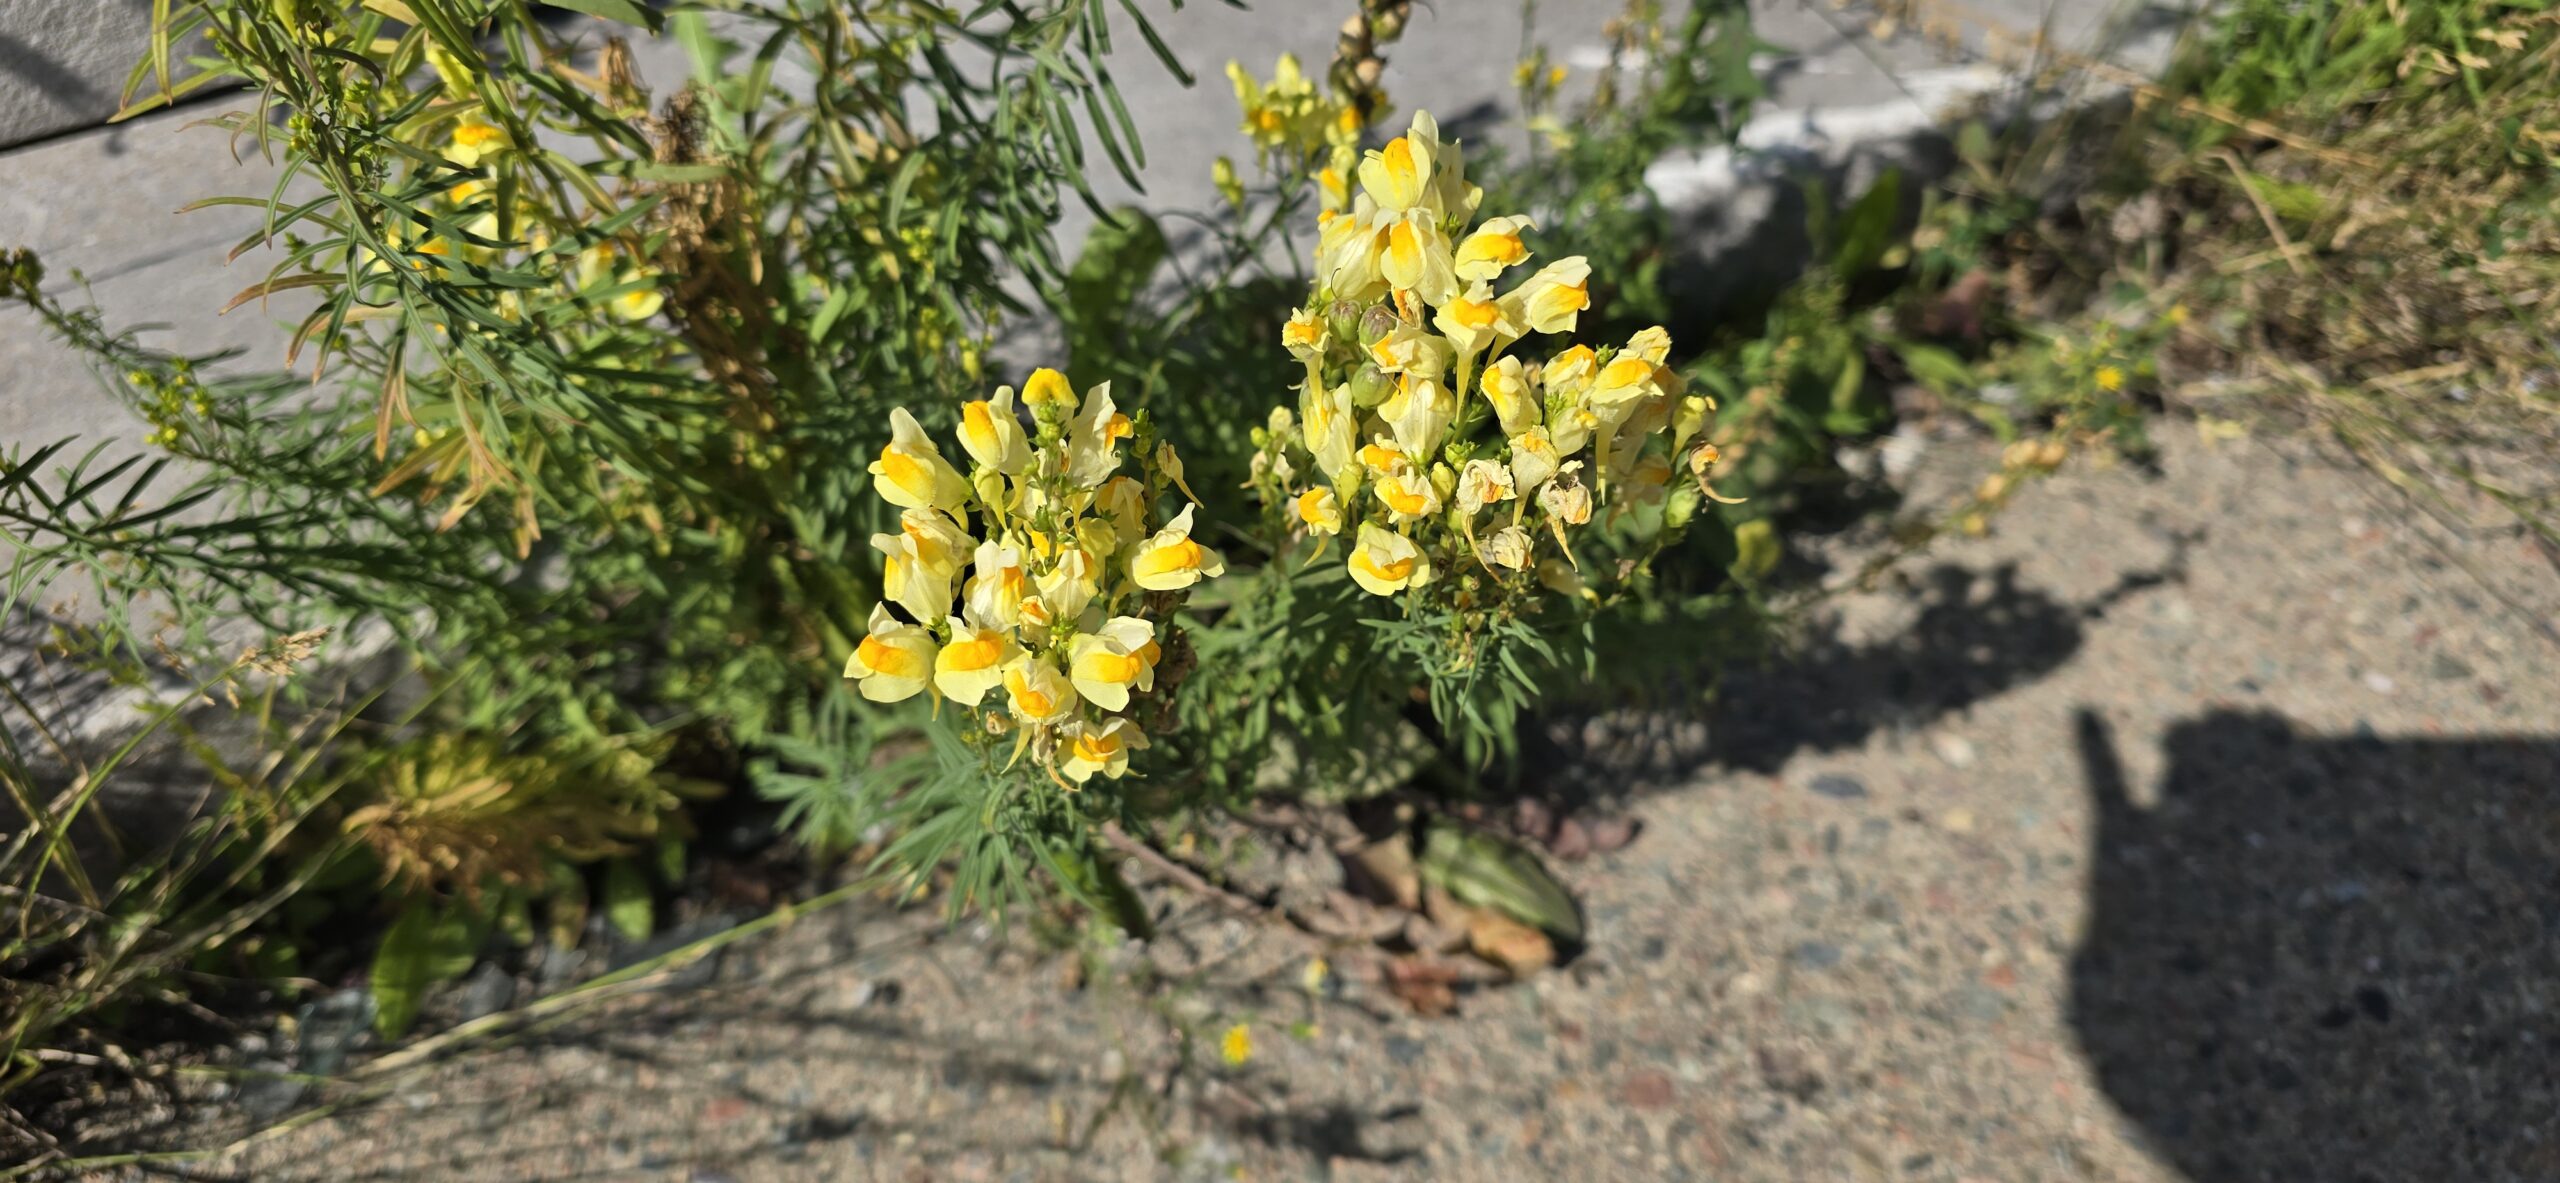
(1973, 634)
(2328, 958)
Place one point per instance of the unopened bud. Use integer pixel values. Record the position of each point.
(1377, 322)
(1370, 386)
(1344, 319)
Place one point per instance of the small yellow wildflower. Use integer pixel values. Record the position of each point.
(911, 472)
(1105, 665)
(1236, 1046)
(2110, 379)
(1171, 561)
(895, 661)
(991, 435)
(1087, 748)
(1553, 299)
(1036, 692)
(974, 662)
(1320, 510)
(1046, 391)
(476, 140)
(1386, 562)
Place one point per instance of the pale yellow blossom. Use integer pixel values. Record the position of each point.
(895, 659)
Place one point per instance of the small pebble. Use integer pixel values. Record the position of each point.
(1840, 788)
(2380, 683)
(1956, 750)
(1957, 821)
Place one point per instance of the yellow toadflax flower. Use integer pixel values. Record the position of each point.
(1333, 181)
(1552, 300)
(1506, 385)
(894, 661)
(1169, 462)
(1305, 336)
(992, 436)
(1534, 459)
(920, 561)
(1483, 484)
(1493, 248)
(1222, 174)
(1036, 692)
(1171, 561)
(1397, 177)
(1276, 113)
(911, 472)
(1417, 256)
(1065, 588)
(1320, 510)
(1085, 748)
(1123, 501)
(974, 661)
(1331, 428)
(1474, 319)
(1407, 493)
(995, 592)
(1046, 392)
(1418, 414)
(475, 140)
(1104, 666)
(600, 267)
(1385, 562)
(1507, 548)
(1093, 440)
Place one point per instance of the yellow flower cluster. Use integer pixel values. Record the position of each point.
(605, 272)
(1038, 588)
(1432, 440)
(1289, 119)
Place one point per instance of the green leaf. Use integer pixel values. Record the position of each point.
(1488, 872)
(626, 900)
(1935, 367)
(625, 11)
(1866, 227)
(428, 944)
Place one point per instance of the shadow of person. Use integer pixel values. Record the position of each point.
(2328, 958)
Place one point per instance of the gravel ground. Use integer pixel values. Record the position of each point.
(2192, 826)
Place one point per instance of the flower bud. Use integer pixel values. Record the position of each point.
(1344, 316)
(1376, 323)
(1346, 483)
(1222, 173)
(1371, 386)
